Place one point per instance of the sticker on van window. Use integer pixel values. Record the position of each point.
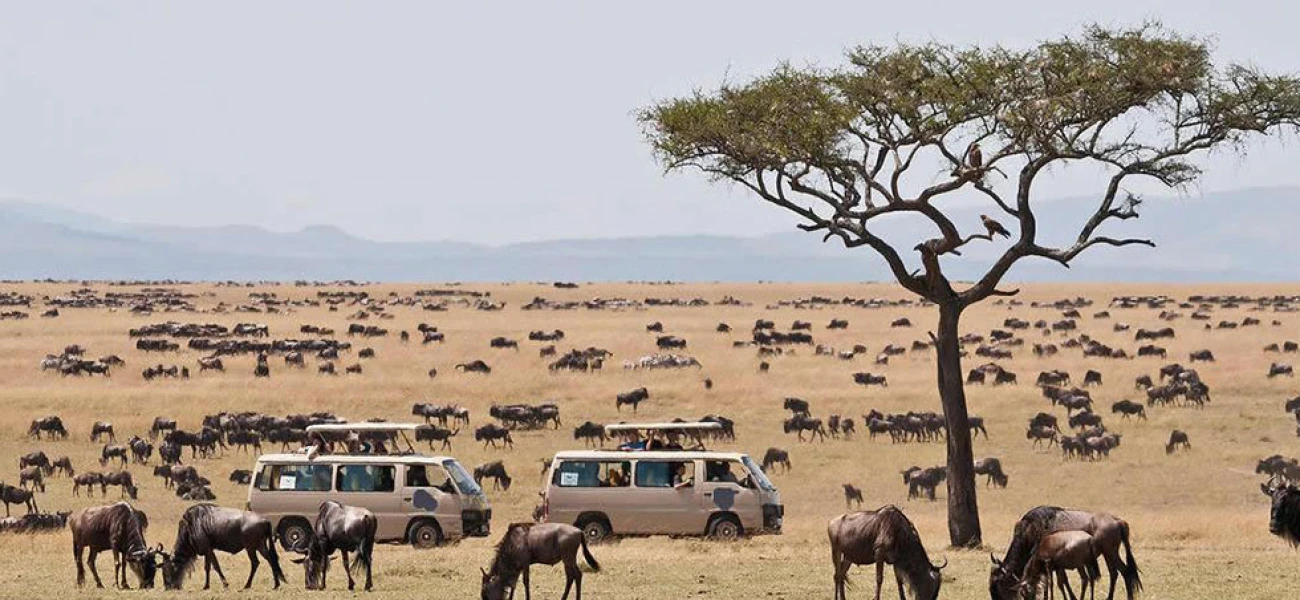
(568, 479)
(287, 482)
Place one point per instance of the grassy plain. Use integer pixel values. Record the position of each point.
(1199, 521)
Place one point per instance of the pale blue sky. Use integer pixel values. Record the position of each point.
(479, 121)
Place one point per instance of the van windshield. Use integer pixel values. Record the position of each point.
(462, 478)
(757, 474)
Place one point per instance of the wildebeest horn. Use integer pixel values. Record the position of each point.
(996, 562)
(943, 566)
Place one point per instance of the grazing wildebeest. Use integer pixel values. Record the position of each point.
(140, 449)
(33, 475)
(204, 529)
(776, 456)
(102, 429)
(353, 369)
(1143, 382)
(326, 368)
(211, 363)
(490, 433)
(1108, 533)
(52, 426)
(475, 366)
(1278, 369)
(89, 481)
(346, 529)
(880, 537)
(62, 465)
(1177, 439)
(1201, 356)
(992, 468)
(1058, 553)
(1091, 378)
(1284, 516)
(241, 476)
(924, 481)
(977, 426)
(112, 451)
(161, 425)
(1129, 407)
(118, 528)
(633, 398)
(35, 459)
(868, 379)
(495, 470)
(526, 544)
(122, 479)
(851, 494)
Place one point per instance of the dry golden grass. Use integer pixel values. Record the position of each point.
(1199, 521)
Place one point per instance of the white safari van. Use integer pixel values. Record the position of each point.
(630, 491)
(422, 500)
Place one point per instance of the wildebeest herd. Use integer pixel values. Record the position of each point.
(1077, 359)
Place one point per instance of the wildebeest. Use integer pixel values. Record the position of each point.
(868, 379)
(880, 537)
(63, 466)
(490, 433)
(112, 451)
(35, 459)
(776, 456)
(502, 342)
(496, 471)
(118, 528)
(1108, 532)
(633, 398)
(211, 363)
(1091, 378)
(1284, 515)
(122, 479)
(346, 529)
(89, 481)
(204, 529)
(590, 433)
(801, 423)
(1177, 439)
(922, 482)
(51, 426)
(1059, 552)
(102, 429)
(241, 476)
(1129, 407)
(669, 342)
(851, 494)
(14, 495)
(140, 449)
(798, 406)
(474, 366)
(977, 426)
(526, 544)
(1278, 369)
(992, 468)
(33, 475)
(1201, 356)
(161, 425)
(431, 434)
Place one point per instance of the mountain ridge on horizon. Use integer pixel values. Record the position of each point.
(39, 241)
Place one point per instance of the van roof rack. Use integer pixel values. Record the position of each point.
(693, 430)
(332, 431)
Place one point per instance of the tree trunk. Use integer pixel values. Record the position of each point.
(963, 510)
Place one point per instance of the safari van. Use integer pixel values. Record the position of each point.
(632, 491)
(417, 499)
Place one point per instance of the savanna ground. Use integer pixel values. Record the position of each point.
(1199, 520)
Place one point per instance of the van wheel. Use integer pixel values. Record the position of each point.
(595, 529)
(294, 534)
(425, 534)
(726, 528)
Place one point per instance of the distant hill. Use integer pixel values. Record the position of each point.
(1246, 235)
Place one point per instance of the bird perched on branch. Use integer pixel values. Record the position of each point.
(974, 157)
(994, 227)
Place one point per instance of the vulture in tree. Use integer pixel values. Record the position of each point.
(994, 227)
(974, 157)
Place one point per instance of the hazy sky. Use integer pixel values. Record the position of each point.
(479, 121)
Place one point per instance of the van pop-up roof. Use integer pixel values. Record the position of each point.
(670, 430)
(337, 432)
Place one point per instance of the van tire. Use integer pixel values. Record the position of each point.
(725, 528)
(424, 534)
(294, 532)
(594, 527)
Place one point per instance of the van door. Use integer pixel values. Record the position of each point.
(427, 491)
(723, 490)
(667, 497)
(291, 490)
(373, 487)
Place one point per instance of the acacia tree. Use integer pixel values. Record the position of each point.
(901, 127)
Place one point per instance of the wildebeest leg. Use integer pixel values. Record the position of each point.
(94, 572)
(880, 576)
(347, 570)
(1112, 565)
(81, 569)
(898, 578)
(252, 570)
(1063, 579)
(212, 558)
(528, 589)
(207, 572)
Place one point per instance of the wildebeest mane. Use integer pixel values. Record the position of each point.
(192, 535)
(896, 531)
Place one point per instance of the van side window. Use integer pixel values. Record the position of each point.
(721, 471)
(365, 478)
(294, 478)
(429, 476)
(592, 474)
(664, 474)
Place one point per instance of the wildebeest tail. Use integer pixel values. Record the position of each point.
(1132, 575)
(366, 555)
(586, 554)
(274, 558)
